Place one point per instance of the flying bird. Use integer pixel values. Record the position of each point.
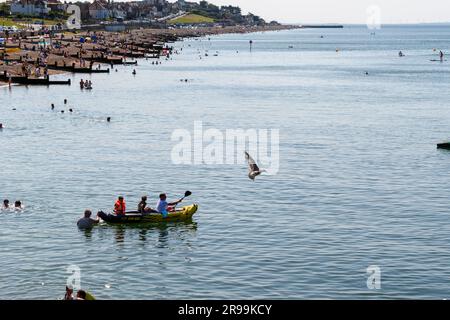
(253, 169)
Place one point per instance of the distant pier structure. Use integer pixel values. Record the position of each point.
(322, 26)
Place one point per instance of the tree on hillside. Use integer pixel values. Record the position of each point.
(5, 9)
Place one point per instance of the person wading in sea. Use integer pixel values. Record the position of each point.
(87, 222)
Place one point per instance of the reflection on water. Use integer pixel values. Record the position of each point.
(119, 234)
(179, 231)
(87, 234)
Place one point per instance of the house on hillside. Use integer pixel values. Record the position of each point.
(56, 5)
(30, 7)
(98, 10)
(118, 10)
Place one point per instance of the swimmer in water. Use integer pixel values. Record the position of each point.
(18, 205)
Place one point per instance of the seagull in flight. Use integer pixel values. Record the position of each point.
(253, 169)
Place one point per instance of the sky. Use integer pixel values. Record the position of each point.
(344, 11)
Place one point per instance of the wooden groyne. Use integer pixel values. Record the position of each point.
(74, 69)
(32, 81)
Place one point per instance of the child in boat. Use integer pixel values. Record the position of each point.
(120, 206)
(142, 206)
(163, 207)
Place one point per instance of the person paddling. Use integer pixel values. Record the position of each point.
(163, 207)
(120, 206)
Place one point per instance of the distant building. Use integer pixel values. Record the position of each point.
(30, 7)
(98, 10)
(56, 5)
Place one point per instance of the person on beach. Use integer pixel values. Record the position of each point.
(120, 206)
(441, 55)
(87, 222)
(163, 207)
(53, 106)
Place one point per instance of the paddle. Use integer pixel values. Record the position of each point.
(186, 194)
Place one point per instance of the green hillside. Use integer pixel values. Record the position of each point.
(191, 18)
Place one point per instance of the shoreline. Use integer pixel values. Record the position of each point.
(68, 54)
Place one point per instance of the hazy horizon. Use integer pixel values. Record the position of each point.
(345, 12)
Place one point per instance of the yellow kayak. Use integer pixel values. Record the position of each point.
(181, 214)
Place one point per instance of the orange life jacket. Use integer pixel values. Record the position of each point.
(120, 207)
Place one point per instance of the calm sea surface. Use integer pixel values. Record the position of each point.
(360, 181)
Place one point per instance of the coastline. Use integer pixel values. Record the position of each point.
(112, 48)
(217, 31)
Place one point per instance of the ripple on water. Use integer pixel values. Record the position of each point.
(360, 181)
